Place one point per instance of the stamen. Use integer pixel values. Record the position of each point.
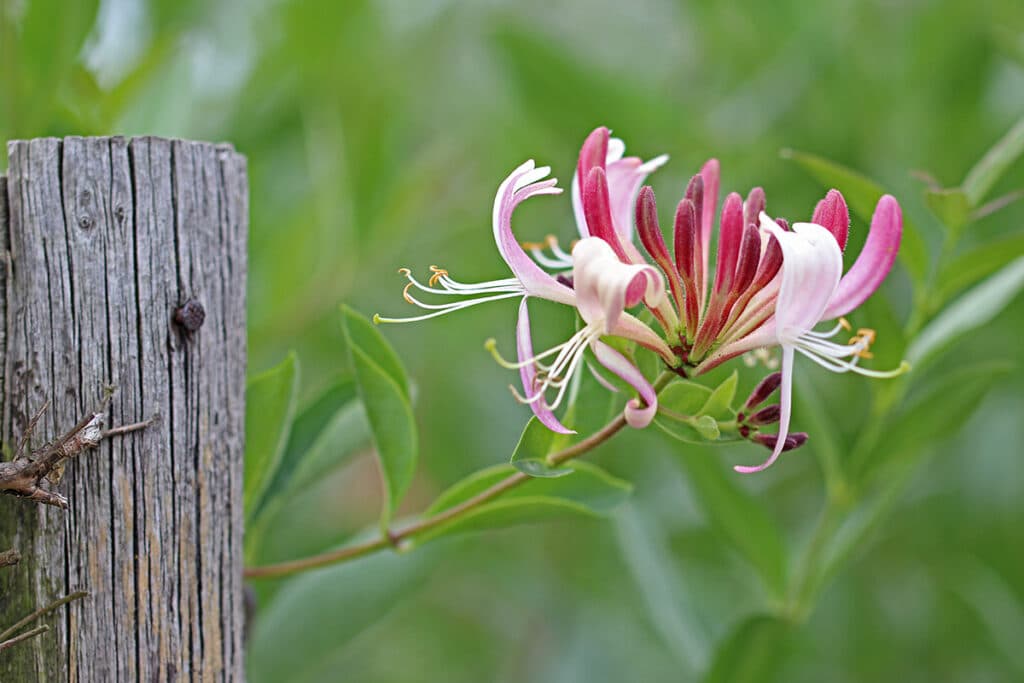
(845, 324)
(864, 338)
(438, 273)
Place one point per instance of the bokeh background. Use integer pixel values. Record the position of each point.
(377, 133)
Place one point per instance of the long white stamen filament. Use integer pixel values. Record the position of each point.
(547, 262)
(447, 308)
(561, 371)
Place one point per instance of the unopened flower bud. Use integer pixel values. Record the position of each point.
(766, 416)
(792, 441)
(763, 390)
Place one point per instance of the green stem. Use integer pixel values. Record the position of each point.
(395, 538)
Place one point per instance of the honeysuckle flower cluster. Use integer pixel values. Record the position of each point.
(771, 286)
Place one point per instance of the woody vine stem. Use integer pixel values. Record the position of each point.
(396, 539)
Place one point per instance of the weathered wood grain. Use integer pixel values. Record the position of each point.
(107, 238)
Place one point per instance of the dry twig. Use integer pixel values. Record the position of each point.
(23, 475)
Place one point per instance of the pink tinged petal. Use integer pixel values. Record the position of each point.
(874, 262)
(831, 213)
(597, 209)
(652, 239)
(625, 177)
(628, 327)
(754, 205)
(605, 286)
(812, 266)
(528, 373)
(594, 153)
(525, 182)
(785, 408)
(711, 175)
(637, 414)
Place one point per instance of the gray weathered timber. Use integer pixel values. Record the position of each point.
(106, 238)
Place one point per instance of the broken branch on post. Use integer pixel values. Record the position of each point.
(23, 476)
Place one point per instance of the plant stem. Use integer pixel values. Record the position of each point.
(395, 538)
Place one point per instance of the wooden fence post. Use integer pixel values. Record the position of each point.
(107, 239)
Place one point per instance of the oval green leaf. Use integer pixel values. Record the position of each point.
(385, 396)
(269, 409)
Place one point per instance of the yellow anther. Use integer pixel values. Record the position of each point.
(864, 338)
(845, 324)
(438, 273)
(404, 272)
(551, 241)
(530, 246)
(405, 294)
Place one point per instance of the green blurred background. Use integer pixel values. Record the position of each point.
(377, 133)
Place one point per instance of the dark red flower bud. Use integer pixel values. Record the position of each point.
(792, 441)
(763, 390)
(783, 223)
(754, 205)
(730, 235)
(771, 262)
(766, 416)
(831, 213)
(750, 255)
(597, 210)
(650, 235)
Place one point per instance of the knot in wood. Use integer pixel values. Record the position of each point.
(190, 315)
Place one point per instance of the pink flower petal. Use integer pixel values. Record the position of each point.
(874, 262)
(528, 373)
(525, 182)
(638, 415)
(605, 286)
(786, 407)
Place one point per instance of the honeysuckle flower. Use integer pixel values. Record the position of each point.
(812, 291)
(605, 287)
(531, 280)
(771, 286)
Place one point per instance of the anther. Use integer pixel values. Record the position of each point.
(845, 324)
(438, 273)
(406, 296)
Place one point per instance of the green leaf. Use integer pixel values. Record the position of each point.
(972, 310)
(950, 206)
(707, 427)
(751, 652)
(269, 409)
(320, 431)
(365, 336)
(684, 397)
(976, 264)
(530, 455)
(862, 194)
(986, 173)
(590, 491)
(316, 615)
(719, 403)
(938, 412)
(385, 396)
(738, 517)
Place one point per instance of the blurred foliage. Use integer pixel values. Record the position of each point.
(377, 132)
